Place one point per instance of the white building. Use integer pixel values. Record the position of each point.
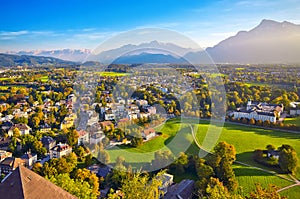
(83, 137)
(256, 116)
(260, 111)
(23, 128)
(60, 150)
(96, 137)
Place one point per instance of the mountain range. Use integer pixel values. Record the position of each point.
(269, 42)
(7, 60)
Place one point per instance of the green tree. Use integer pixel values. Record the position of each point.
(88, 159)
(80, 152)
(76, 187)
(215, 189)
(16, 133)
(225, 155)
(88, 176)
(288, 159)
(103, 156)
(72, 137)
(137, 186)
(35, 121)
(265, 193)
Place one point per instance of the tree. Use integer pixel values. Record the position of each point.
(252, 121)
(137, 186)
(88, 176)
(80, 152)
(181, 162)
(77, 187)
(120, 163)
(37, 168)
(35, 121)
(16, 133)
(216, 189)
(88, 159)
(288, 160)
(72, 137)
(221, 161)
(268, 193)
(103, 157)
(162, 159)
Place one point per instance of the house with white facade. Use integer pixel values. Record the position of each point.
(61, 149)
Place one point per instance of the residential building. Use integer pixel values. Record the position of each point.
(45, 128)
(61, 149)
(7, 125)
(96, 137)
(10, 164)
(148, 133)
(182, 190)
(24, 183)
(23, 128)
(167, 181)
(48, 142)
(4, 154)
(29, 158)
(83, 137)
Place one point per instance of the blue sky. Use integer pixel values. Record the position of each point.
(58, 24)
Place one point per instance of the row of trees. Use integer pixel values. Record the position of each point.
(266, 123)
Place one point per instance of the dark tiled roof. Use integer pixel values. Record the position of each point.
(182, 190)
(12, 162)
(24, 183)
(47, 140)
(103, 171)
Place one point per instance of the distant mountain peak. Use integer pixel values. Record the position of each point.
(269, 42)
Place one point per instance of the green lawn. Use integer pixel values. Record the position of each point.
(247, 177)
(44, 78)
(292, 192)
(167, 141)
(245, 139)
(112, 74)
(295, 120)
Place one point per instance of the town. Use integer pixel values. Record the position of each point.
(56, 121)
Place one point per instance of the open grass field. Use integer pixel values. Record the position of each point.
(247, 177)
(292, 192)
(44, 78)
(112, 74)
(295, 120)
(145, 153)
(245, 139)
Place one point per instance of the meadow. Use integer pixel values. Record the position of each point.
(44, 78)
(245, 139)
(111, 74)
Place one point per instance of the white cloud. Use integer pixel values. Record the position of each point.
(13, 33)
